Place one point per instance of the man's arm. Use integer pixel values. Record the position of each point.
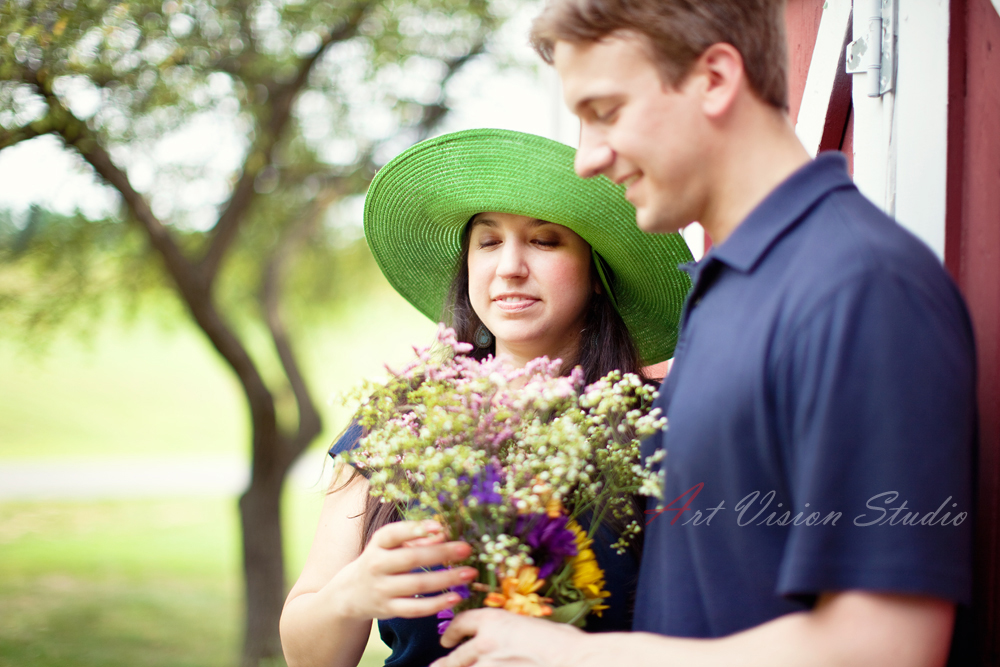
(848, 629)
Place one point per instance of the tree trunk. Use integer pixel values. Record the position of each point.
(263, 559)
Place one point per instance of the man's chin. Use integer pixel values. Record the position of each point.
(651, 221)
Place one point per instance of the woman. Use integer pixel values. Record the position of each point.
(492, 230)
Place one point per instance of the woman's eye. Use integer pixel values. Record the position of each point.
(487, 243)
(547, 243)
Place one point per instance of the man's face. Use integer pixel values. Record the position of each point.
(637, 130)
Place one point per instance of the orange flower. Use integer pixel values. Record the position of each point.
(495, 600)
(524, 582)
(554, 508)
(529, 605)
(519, 594)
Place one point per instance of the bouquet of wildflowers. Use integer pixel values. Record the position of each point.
(523, 464)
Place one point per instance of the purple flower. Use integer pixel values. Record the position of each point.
(484, 485)
(550, 541)
(446, 615)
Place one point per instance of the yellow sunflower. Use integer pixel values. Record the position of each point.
(587, 575)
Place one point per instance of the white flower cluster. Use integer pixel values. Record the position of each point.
(480, 443)
(630, 532)
(504, 553)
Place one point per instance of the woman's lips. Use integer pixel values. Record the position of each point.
(509, 304)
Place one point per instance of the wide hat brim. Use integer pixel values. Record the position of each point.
(420, 202)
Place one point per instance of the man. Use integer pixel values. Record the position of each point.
(820, 405)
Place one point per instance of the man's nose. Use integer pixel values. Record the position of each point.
(594, 155)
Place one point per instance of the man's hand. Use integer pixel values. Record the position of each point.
(854, 628)
(500, 637)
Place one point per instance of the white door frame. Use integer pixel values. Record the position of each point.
(901, 138)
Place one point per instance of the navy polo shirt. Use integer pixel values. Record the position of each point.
(821, 419)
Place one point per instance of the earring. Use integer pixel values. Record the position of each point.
(482, 337)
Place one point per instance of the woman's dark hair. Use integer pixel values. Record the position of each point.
(605, 345)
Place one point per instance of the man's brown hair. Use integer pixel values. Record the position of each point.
(678, 32)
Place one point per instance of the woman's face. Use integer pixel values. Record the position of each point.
(530, 284)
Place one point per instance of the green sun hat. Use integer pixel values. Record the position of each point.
(419, 204)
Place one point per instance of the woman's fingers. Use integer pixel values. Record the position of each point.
(394, 534)
(408, 585)
(433, 538)
(382, 582)
(405, 560)
(420, 607)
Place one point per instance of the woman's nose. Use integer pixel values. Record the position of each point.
(512, 261)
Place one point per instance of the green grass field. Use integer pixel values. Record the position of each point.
(146, 583)
(118, 583)
(151, 582)
(142, 390)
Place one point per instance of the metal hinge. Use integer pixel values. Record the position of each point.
(874, 53)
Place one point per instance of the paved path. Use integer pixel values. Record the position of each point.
(93, 479)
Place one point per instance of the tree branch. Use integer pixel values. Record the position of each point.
(197, 295)
(194, 291)
(74, 132)
(180, 269)
(10, 138)
(272, 284)
(259, 157)
(432, 114)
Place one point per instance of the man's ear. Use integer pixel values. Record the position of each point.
(722, 77)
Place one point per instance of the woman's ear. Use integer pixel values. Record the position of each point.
(596, 280)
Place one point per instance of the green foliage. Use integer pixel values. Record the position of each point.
(295, 103)
(156, 61)
(57, 270)
(130, 76)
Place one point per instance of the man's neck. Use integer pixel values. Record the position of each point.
(761, 151)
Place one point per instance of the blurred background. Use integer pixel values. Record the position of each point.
(185, 292)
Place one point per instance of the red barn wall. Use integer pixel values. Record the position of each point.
(972, 243)
(972, 255)
(802, 19)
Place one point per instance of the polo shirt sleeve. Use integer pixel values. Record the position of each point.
(877, 389)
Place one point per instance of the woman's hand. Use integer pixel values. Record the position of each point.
(380, 583)
(329, 611)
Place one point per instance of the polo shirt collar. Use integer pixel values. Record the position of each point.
(780, 211)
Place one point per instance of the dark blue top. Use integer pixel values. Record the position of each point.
(821, 408)
(415, 642)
